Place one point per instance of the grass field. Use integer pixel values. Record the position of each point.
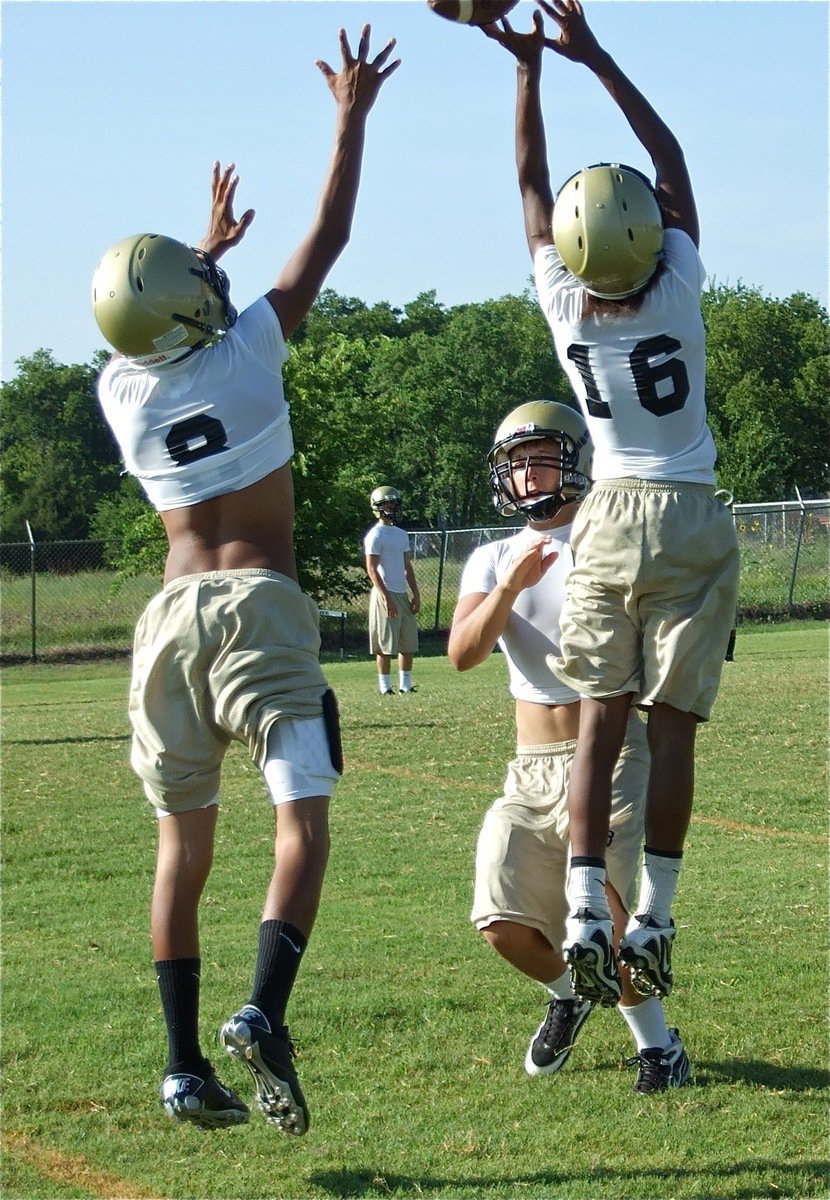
(412, 1033)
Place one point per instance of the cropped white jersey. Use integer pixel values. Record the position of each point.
(640, 377)
(389, 543)
(212, 423)
(532, 630)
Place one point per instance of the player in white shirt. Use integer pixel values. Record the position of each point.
(393, 624)
(229, 650)
(652, 595)
(511, 593)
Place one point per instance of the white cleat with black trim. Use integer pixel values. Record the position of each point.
(589, 953)
(646, 950)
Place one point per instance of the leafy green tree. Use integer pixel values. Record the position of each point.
(325, 386)
(767, 392)
(441, 397)
(132, 530)
(58, 456)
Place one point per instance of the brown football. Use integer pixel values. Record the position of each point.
(472, 12)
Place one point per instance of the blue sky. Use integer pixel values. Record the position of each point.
(113, 113)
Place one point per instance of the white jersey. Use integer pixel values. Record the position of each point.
(532, 630)
(640, 377)
(214, 422)
(389, 543)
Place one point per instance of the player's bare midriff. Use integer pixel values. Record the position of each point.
(253, 527)
(540, 724)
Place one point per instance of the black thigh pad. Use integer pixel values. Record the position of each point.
(331, 716)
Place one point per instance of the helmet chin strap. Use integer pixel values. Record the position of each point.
(543, 509)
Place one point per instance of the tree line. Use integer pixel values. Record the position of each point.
(411, 397)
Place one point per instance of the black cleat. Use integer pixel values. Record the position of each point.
(204, 1102)
(554, 1039)
(269, 1056)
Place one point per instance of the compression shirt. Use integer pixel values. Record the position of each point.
(532, 630)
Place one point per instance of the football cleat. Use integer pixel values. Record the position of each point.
(204, 1102)
(247, 1036)
(646, 950)
(662, 1069)
(405, 691)
(589, 954)
(554, 1039)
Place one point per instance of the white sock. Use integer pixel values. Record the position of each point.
(647, 1022)
(657, 887)
(384, 683)
(586, 889)
(405, 680)
(562, 988)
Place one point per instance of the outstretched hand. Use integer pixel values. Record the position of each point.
(575, 41)
(224, 230)
(356, 85)
(526, 47)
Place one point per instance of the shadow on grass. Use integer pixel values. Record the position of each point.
(68, 741)
(766, 1075)
(345, 1184)
(809, 1173)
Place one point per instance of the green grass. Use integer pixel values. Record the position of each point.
(412, 1032)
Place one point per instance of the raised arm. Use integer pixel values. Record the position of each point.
(673, 184)
(531, 148)
(355, 88)
(224, 230)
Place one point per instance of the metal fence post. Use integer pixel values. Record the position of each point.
(34, 595)
(802, 519)
(440, 580)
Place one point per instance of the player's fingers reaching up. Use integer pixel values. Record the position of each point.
(575, 40)
(223, 192)
(224, 230)
(527, 47)
(358, 82)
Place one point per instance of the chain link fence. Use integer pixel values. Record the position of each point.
(61, 600)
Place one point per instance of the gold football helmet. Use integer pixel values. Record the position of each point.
(608, 229)
(154, 297)
(386, 502)
(529, 423)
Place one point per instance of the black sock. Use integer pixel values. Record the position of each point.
(281, 947)
(178, 981)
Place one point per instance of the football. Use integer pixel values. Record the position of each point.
(472, 12)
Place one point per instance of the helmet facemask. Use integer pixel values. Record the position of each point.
(386, 503)
(512, 470)
(540, 436)
(218, 282)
